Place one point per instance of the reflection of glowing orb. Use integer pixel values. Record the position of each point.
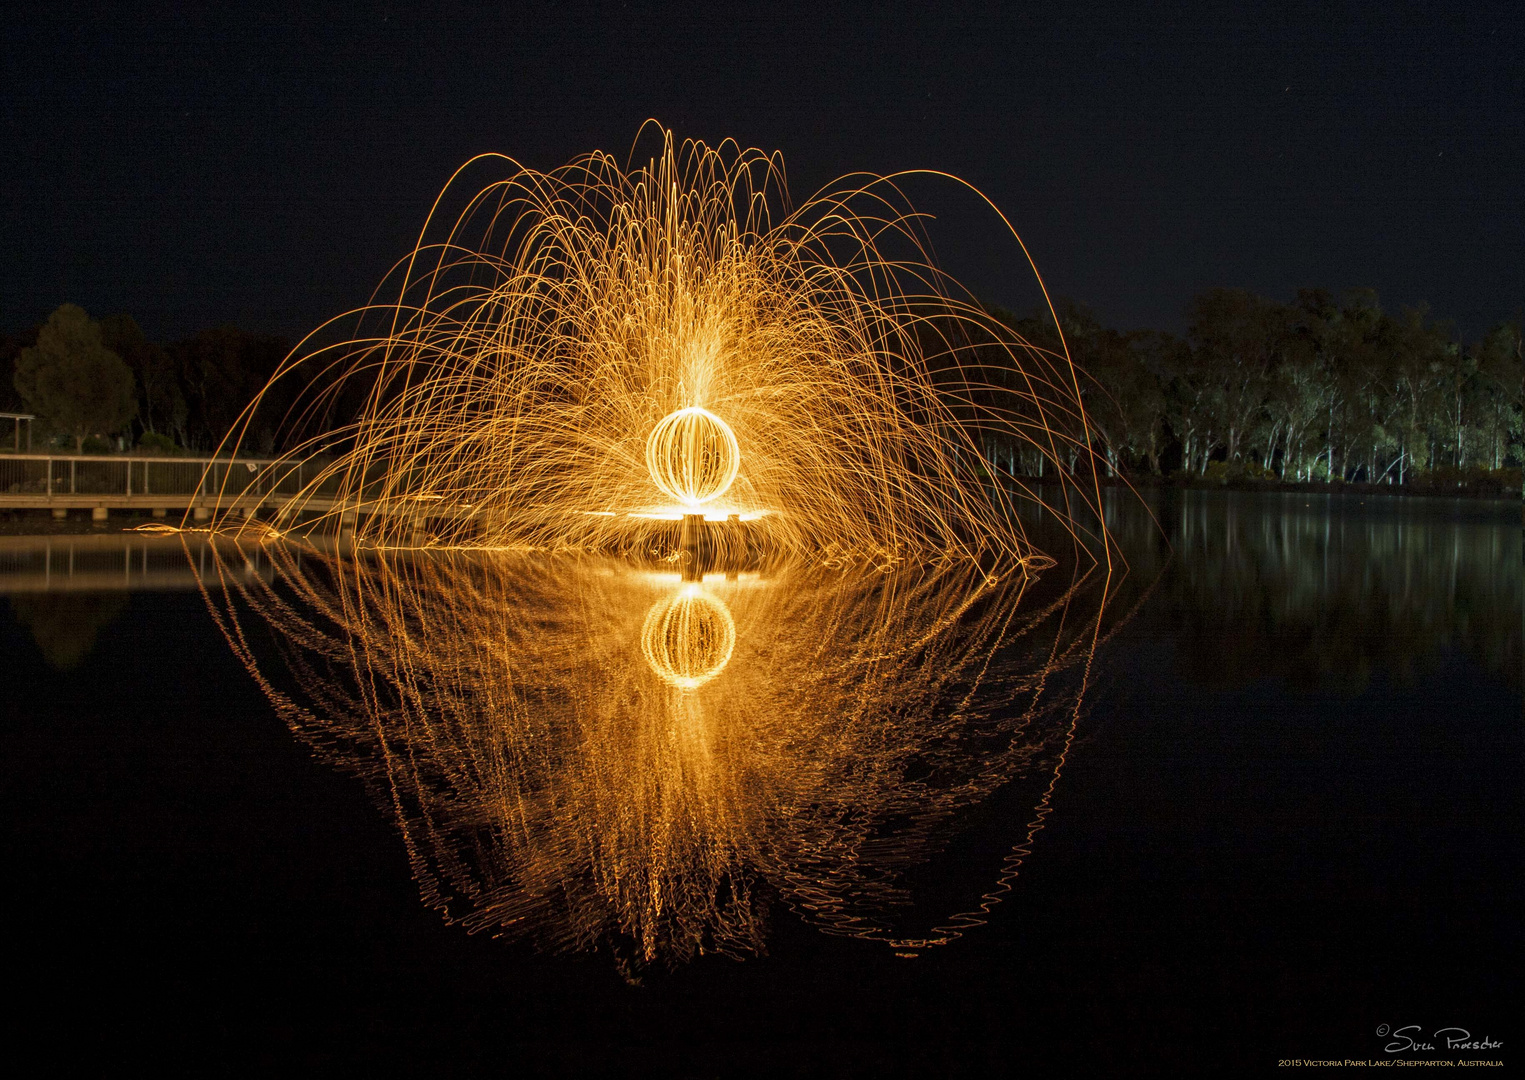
(692, 455)
(688, 638)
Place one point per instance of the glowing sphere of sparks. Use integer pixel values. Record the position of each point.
(688, 638)
(692, 455)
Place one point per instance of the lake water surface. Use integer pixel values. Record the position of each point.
(1254, 798)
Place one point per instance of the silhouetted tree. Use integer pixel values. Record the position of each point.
(221, 370)
(72, 380)
(1501, 397)
(1240, 338)
(161, 402)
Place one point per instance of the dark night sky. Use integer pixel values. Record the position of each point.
(267, 168)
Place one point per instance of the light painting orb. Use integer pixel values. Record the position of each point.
(692, 455)
(688, 638)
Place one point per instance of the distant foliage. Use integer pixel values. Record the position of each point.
(73, 381)
(86, 378)
(153, 444)
(201, 384)
(1324, 389)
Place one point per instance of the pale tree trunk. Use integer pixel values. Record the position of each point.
(1329, 437)
(1460, 450)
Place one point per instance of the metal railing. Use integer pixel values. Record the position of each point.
(54, 476)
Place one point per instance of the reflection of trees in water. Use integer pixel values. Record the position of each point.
(552, 779)
(65, 624)
(1283, 587)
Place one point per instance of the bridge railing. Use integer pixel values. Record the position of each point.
(73, 476)
(69, 475)
(64, 481)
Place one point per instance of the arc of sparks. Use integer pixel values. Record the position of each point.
(573, 338)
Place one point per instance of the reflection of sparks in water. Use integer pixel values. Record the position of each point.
(689, 637)
(588, 754)
(561, 351)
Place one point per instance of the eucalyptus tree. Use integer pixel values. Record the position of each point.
(162, 408)
(1415, 350)
(1502, 395)
(1239, 336)
(1141, 392)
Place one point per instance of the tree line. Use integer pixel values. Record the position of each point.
(100, 385)
(1323, 389)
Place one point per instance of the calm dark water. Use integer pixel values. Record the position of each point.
(1289, 813)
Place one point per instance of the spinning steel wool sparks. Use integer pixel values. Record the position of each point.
(612, 728)
(581, 353)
